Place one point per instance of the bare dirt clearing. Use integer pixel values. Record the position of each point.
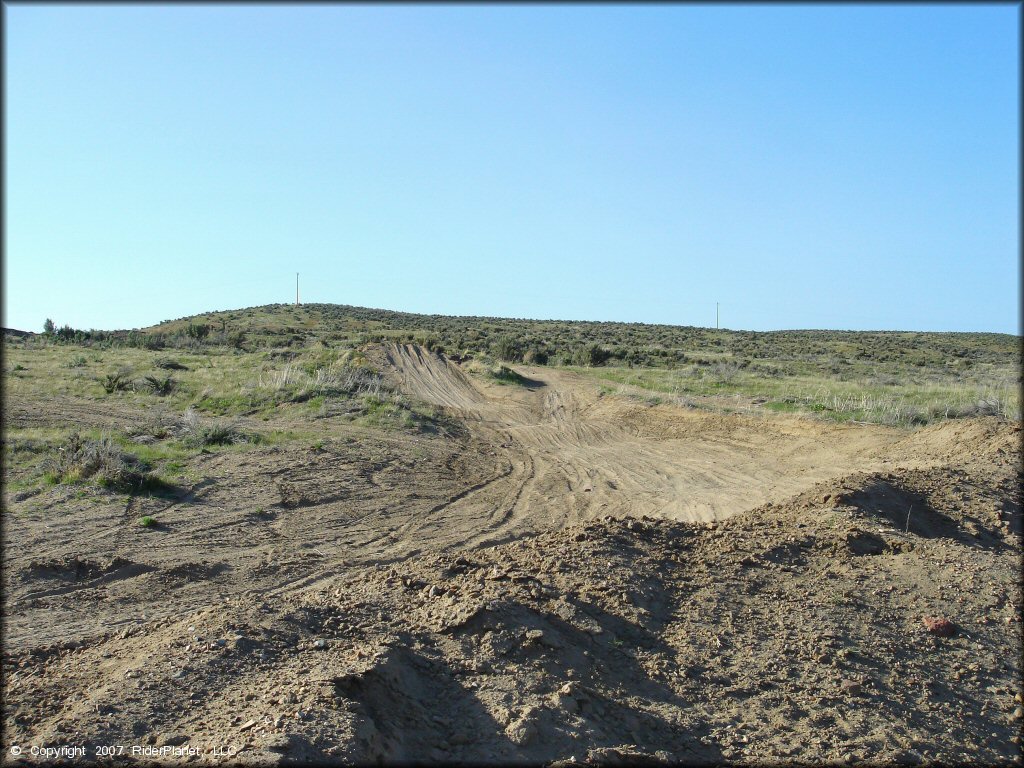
(576, 575)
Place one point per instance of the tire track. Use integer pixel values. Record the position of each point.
(590, 455)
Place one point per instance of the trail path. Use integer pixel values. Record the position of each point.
(575, 454)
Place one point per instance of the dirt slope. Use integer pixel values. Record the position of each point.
(578, 576)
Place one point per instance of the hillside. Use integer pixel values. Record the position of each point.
(884, 377)
(628, 342)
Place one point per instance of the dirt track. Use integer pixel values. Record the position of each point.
(347, 541)
(575, 455)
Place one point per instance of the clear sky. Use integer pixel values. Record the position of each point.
(808, 166)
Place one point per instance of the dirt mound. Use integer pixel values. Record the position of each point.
(915, 508)
(968, 505)
(429, 376)
(73, 568)
(760, 638)
(194, 571)
(981, 440)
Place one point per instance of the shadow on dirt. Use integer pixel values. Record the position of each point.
(581, 654)
(911, 512)
(74, 568)
(195, 571)
(526, 381)
(408, 706)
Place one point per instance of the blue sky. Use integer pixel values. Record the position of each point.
(810, 166)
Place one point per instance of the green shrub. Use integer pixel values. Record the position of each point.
(507, 348)
(194, 432)
(101, 461)
(220, 433)
(68, 334)
(592, 355)
(535, 356)
(147, 521)
(157, 424)
(198, 331)
(159, 386)
(115, 382)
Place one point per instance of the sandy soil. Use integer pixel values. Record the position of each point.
(577, 576)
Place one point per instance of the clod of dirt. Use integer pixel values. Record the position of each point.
(865, 543)
(939, 626)
(293, 497)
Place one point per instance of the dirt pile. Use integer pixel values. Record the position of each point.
(988, 440)
(793, 631)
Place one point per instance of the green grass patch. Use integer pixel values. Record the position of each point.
(911, 401)
(782, 406)
(225, 405)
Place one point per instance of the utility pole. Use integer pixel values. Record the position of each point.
(716, 315)
(296, 289)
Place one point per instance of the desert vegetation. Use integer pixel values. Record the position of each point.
(282, 353)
